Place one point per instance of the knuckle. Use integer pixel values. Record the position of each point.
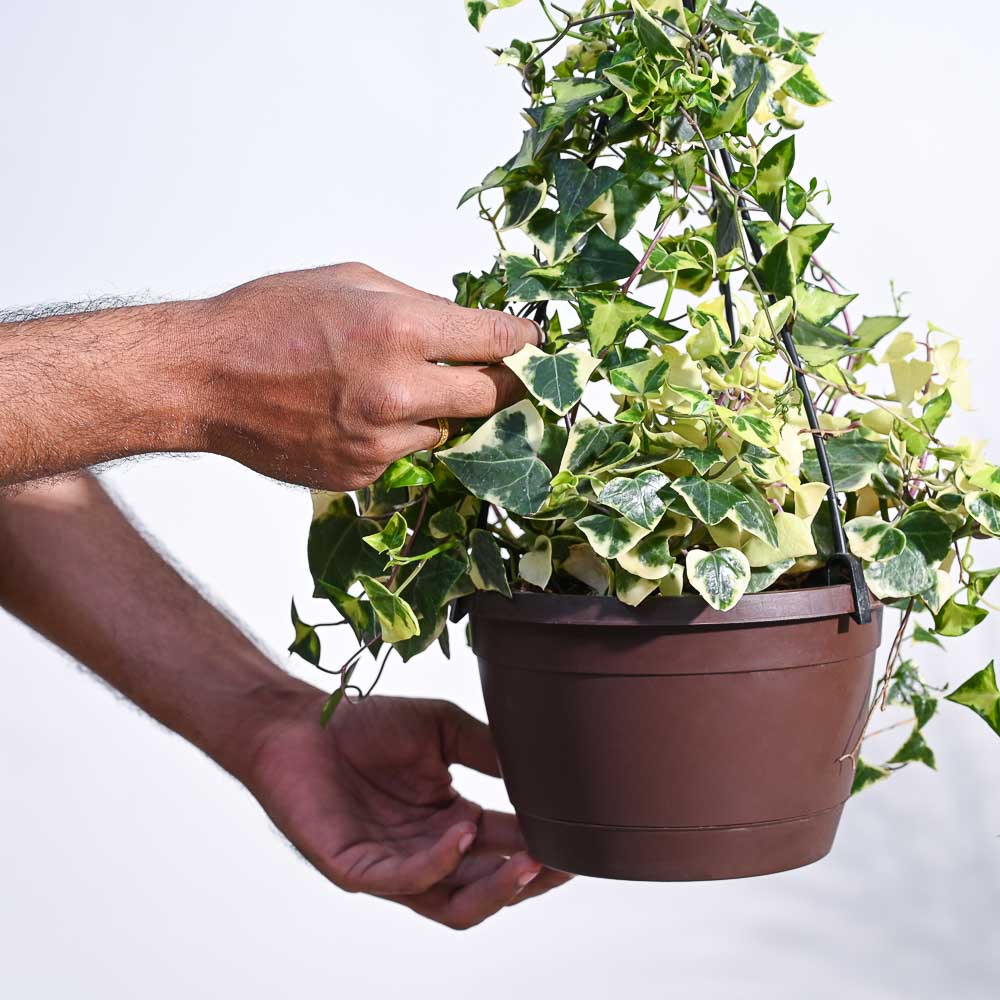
(390, 403)
(353, 271)
(504, 339)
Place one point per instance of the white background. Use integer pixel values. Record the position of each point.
(177, 149)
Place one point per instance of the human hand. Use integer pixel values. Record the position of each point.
(369, 802)
(325, 377)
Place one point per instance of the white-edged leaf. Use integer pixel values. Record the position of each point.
(721, 576)
(557, 380)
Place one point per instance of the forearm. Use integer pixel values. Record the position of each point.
(76, 570)
(80, 389)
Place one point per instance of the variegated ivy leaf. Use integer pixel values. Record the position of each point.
(785, 262)
(866, 774)
(579, 185)
(765, 576)
(927, 531)
(643, 379)
(608, 319)
(987, 478)
(753, 514)
(980, 693)
(500, 463)
(701, 458)
(806, 89)
(636, 498)
(391, 538)
(754, 428)
(523, 203)
(772, 172)
(721, 576)
(632, 590)
(528, 281)
(905, 574)
(985, 508)
(486, 565)
(447, 522)
(871, 538)
(405, 472)
(570, 96)
(650, 559)
(583, 563)
(557, 236)
(477, 10)
(535, 565)
(853, 460)
(306, 642)
(610, 536)
(795, 541)
(710, 501)
(600, 262)
(588, 440)
(819, 305)
(556, 380)
(395, 616)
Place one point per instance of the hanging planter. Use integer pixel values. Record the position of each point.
(676, 550)
(672, 741)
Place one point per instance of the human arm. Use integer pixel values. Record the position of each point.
(319, 377)
(368, 801)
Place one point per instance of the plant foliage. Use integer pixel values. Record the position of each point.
(653, 223)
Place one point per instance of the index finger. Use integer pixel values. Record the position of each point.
(443, 332)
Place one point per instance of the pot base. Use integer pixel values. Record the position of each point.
(691, 854)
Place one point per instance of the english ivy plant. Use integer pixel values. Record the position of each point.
(653, 225)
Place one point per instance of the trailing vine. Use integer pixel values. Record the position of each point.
(654, 223)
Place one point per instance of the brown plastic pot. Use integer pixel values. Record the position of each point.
(672, 742)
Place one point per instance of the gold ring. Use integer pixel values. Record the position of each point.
(444, 432)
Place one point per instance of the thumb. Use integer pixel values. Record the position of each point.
(468, 741)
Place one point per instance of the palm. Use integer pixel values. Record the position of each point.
(370, 803)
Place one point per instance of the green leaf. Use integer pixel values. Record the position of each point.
(486, 565)
(600, 262)
(529, 282)
(867, 774)
(306, 642)
(985, 508)
(338, 554)
(915, 749)
(570, 96)
(772, 172)
(930, 420)
(853, 460)
(818, 305)
(924, 708)
(764, 576)
(557, 380)
(874, 329)
(721, 576)
(927, 532)
(405, 472)
(954, 619)
(796, 198)
(476, 10)
(651, 36)
(980, 693)
(610, 536)
(806, 89)
(920, 634)
(784, 264)
(395, 616)
(637, 498)
(608, 319)
(749, 427)
(391, 538)
(522, 202)
(646, 378)
(579, 186)
(556, 236)
(710, 501)
(500, 463)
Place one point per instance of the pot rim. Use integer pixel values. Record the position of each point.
(687, 611)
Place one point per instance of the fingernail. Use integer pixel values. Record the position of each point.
(466, 842)
(527, 878)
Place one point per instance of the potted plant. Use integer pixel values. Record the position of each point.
(676, 551)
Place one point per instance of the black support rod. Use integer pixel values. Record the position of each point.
(842, 555)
